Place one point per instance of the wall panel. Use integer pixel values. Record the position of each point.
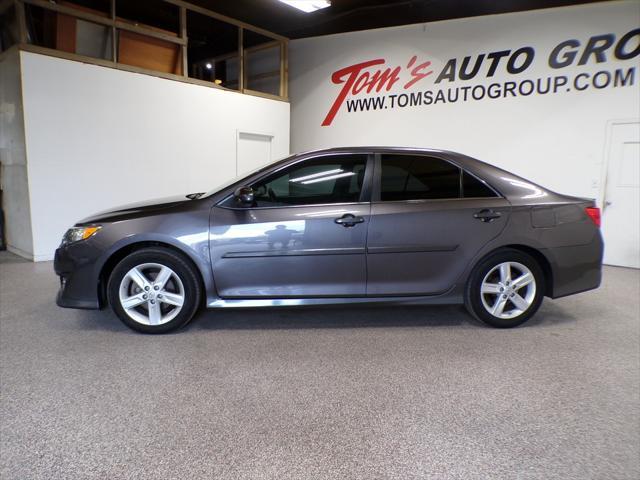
(99, 137)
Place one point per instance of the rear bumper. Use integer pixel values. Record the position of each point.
(78, 283)
(576, 269)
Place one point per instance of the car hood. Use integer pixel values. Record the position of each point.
(137, 209)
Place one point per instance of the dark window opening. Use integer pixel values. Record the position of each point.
(97, 7)
(42, 26)
(213, 50)
(154, 36)
(262, 63)
(474, 188)
(416, 177)
(9, 32)
(156, 15)
(327, 179)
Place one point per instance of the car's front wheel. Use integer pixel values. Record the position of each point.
(505, 289)
(154, 290)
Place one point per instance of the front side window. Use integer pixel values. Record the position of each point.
(326, 179)
(418, 177)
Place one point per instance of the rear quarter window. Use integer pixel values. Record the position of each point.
(474, 188)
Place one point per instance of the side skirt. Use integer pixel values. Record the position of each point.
(444, 299)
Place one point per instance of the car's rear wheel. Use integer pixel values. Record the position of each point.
(505, 289)
(154, 290)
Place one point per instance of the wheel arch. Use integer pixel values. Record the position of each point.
(536, 254)
(120, 253)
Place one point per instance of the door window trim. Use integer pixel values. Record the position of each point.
(365, 193)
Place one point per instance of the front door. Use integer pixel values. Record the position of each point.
(305, 236)
(621, 210)
(428, 220)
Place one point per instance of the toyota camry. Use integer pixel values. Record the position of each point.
(338, 226)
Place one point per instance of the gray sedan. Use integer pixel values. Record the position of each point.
(344, 225)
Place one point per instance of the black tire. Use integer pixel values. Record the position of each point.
(181, 267)
(473, 298)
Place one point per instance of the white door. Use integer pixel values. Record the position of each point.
(621, 208)
(253, 151)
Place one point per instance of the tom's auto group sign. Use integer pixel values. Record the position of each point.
(376, 84)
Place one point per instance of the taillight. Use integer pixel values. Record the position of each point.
(594, 214)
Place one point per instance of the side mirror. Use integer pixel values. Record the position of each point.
(244, 196)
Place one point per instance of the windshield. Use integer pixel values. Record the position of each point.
(244, 175)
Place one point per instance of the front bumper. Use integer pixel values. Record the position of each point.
(79, 283)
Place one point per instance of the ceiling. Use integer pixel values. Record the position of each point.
(352, 15)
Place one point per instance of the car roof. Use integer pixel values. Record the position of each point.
(375, 149)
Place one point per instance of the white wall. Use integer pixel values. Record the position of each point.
(99, 137)
(555, 139)
(13, 158)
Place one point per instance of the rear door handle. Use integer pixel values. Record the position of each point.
(487, 215)
(348, 220)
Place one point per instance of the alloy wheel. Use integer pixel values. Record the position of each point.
(151, 294)
(508, 290)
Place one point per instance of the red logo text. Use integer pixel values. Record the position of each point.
(363, 77)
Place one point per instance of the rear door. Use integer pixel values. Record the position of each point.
(428, 220)
(305, 236)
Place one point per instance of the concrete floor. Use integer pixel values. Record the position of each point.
(361, 393)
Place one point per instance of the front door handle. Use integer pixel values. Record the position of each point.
(348, 220)
(486, 215)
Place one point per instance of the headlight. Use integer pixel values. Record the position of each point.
(76, 234)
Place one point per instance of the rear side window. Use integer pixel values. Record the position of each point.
(474, 188)
(417, 177)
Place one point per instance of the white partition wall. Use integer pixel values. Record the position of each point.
(98, 137)
(556, 138)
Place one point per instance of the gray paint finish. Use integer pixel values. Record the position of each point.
(288, 252)
(410, 251)
(423, 247)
